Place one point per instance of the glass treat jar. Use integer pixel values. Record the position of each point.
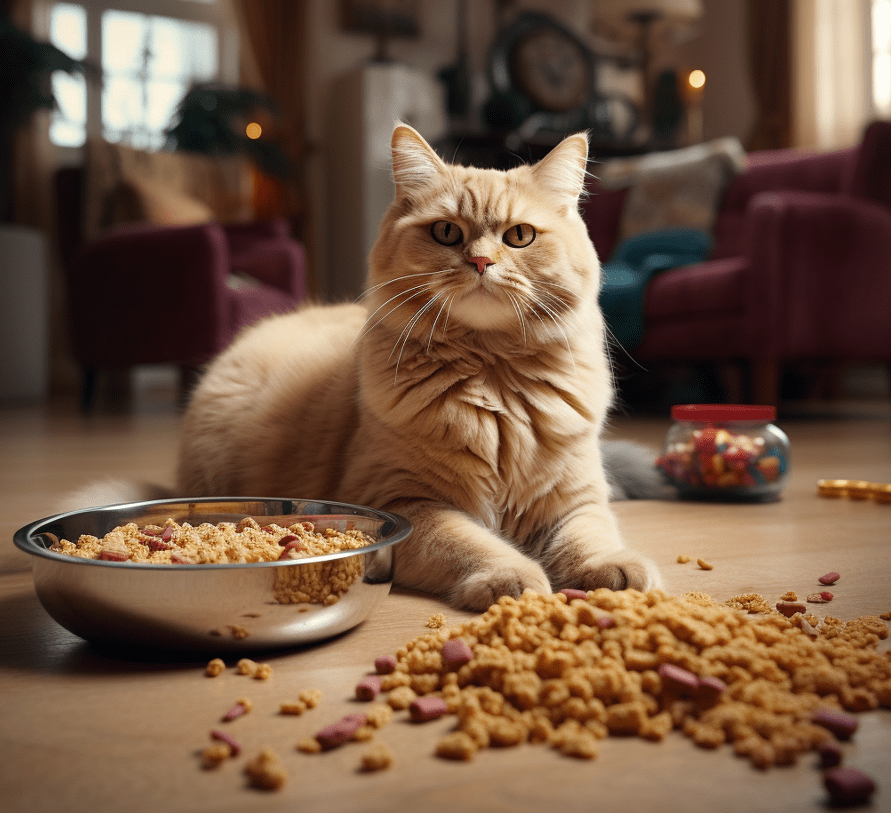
(725, 451)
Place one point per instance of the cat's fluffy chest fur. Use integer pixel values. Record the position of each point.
(468, 394)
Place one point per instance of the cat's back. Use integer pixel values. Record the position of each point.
(283, 381)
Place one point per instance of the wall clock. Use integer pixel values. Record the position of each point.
(545, 62)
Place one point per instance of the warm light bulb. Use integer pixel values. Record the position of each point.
(696, 79)
(253, 130)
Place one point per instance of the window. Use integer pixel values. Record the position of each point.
(881, 56)
(150, 52)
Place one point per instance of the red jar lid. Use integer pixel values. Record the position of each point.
(723, 412)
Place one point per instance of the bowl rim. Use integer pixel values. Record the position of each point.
(23, 537)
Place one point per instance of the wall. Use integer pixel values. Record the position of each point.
(334, 54)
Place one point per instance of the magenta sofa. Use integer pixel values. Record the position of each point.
(800, 267)
(149, 294)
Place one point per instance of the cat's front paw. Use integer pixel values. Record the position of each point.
(618, 571)
(482, 589)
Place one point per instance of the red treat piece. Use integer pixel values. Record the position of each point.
(710, 689)
(676, 679)
(848, 786)
(571, 593)
(829, 578)
(113, 555)
(423, 709)
(287, 540)
(826, 595)
(840, 723)
(830, 754)
(340, 732)
(385, 665)
(368, 688)
(456, 652)
(789, 608)
(222, 736)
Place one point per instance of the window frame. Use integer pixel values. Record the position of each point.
(216, 14)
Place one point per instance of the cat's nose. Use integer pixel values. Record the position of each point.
(481, 263)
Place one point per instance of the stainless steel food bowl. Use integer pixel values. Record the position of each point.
(213, 607)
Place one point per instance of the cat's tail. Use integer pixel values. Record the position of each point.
(110, 491)
(632, 473)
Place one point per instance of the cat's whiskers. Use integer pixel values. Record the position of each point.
(520, 316)
(363, 332)
(392, 281)
(432, 329)
(406, 331)
(557, 323)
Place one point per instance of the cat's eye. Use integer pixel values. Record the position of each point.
(445, 233)
(519, 236)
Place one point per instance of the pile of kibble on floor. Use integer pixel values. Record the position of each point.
(568, 669)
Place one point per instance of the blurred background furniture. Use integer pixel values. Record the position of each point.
(155, 274)
(798, 270)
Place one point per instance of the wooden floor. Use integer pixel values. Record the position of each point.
(82, 730)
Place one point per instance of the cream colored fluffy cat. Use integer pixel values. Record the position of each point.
(467, 392)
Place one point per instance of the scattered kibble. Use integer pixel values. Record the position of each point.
(705, 565)
(215, 755)
(307, 699)
(819, 598)
(215, 667)
(789, 595)
(265, 771)
(377, 758)
(263, 671)
(246, 667)
(436, 621)
(683, 559)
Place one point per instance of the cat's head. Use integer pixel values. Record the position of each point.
(483, 250)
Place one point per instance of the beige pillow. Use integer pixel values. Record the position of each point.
(140, 200)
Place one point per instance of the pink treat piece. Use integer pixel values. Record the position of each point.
(340, 732)
(456, 652)
(848, 786)
(385, 665)
(112, 555)
(829, 578)
(368, 688)
(423, 709)
(826, 595)
(605, 622)
(710, 689)
(288, 540)
(236, 711)
(676, 679)
(571, 593)
(290, 549)
(840, 723)
(222, 736)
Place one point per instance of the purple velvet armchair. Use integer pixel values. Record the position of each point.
(149, 294)
(800, 267)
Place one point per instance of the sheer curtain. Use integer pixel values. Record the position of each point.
(832, 72)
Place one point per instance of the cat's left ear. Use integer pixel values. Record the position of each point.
(415, 164)
(563, 169)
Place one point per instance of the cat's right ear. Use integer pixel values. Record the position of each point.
(415, 164)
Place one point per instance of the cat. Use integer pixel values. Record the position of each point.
(467, 392)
